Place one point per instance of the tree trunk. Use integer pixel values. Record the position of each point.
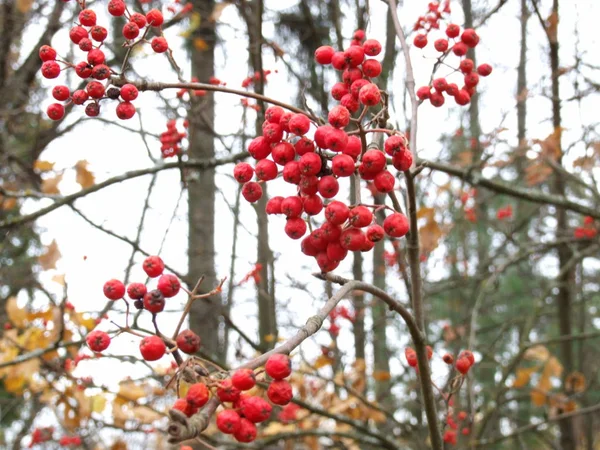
(204, 316)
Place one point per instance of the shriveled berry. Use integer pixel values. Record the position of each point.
(136, 290)
(98, 341)
(278, 366)
(152, 348)
(92, 109)
(243, 379)
(197, 395)
(280, 392)
(101, 72)
(448, 358)
(114, 289)
(154, 301)
(188, 342)
(169, 285)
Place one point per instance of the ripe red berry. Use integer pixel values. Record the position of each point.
(337, 212)
(441, 45)
(125, 110)
(470, 37)
(272, 132)
(155, 18)
(462, 415)
(463, 365)
(259, 148)
(188, 342)
(47, 53)
(280, 392)
(101, 72)
(450, 437)
(310, 164)
(50, 69)
(452, 89)
(55, 111)
(243, 172)
(98, 341)
(452, 30)
(328, 186)
(60, 93)
(373, 161)
(197, 395)
(95, 89)
(131, 30)
(153, 266)
(116, 8)
(372, 47)
(460, 49)
(283, 153)
(114, 289)
(182, 405)
(295, 227)
(292, 206)
(336, 140)
(159, 44)
(278, 366)
(79, 97)
(266, 170)
(342, 165)
(96, 56)
(246, 432)
(83, 69)
(339, 116)
(128, 92)
(471, 79)
(169, 285)
(424, 92)
(77, 33)
(437, 99)
(139, 19)
(369, 95)
(227, 392)
(98, 33)
(396, 225)
(384, 181)
(469, 355)
(394, 144)
(371, 68)
(85, 45)
(462, 97)
(291, 173)
(375, 233)
(136, 291)
(154, 301)
(338, 61)
(411, 357)
(303, 146)
(339, 90)
(152, 348)
(420, 40)
(402, 160)
(353, 239)
(350, 75)
(252, 191)
(228, 421)
(274, 205)
(354, 55)
(324, 54)
(243, 379)
(360, 216)
(448, 358)
(484, 70)
(255, 409)
(299, 124)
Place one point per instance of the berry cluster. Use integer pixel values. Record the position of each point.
(316, 164)
(90, 37)
(457, 43)
(245, 410)
(464, 362)
(170, 140)
(451, 435)
(431, 19)
(46, 434)
(588, 230)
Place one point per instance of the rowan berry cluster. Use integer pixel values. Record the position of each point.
(451, 434)
(431, 19)
(589, 229)
(315, 164)
(458, 43)
(90, 37)
(170, 140)
(46, 434)
(465, 360)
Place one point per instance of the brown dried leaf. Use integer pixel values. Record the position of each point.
(537, 172)
(24, 6)
(42, 166)
(523, 375)
(575, 382)
(537, 353)
(84, 177)
(538, 398)
(17, 316)
(430, 235)
(381, 375)
(427, 213)
(585, 163)
(550, 147)
(322, 361)
(48, 259)
(50, 185)
(552, 27)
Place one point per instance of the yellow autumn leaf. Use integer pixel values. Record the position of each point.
(538, 398)
(128, 390)
(322, 361)
(537, 353)
(145, 415)
(49, 258)
(43, 166)
(59, 278)
(15, 384)
(269, 338)
(523, 375)
(24, 6)
(200, 44)
(427, 213)
(84, 320)
(17, 316)
(554, 367)
(84, 177)
(50, 185)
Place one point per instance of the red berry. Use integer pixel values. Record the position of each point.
(246, 432)
(243, 172)
(372, 47)
(337, 212)
(462, 415)
(339, 90)
(61, 93)
(47, 53)
(369, 95)
(396, 225)
(350, 75)
(292, 206)
(266, 170)
(272, 132)
(452, 89)
(448, 358)
(304, 146)
(371, 68)
(424, 92)
(420, 40)
(85, 45)
(98, 341)
(274, 205)
(375, 233)
(182, 405)
(96, 56)
(259, 148)
(128, 92)
(77, 33)
(328, 186)
(342, 165)
(280, 392)
(394, 144)
(441, 45)
(354, 56)
(188, 342)
(83, 69)
(278, 366)
(411, 357)
(116, 8)
(101, 72)
(360, 216)
(384, 181)
(373, 161)
(136, 291)
(471, 79)
(169, 285)
(291, 172)
(255, 409)
(353, 239)
(98, 33)
(283, 153)
(79, 97)
(155, 18)
(353, 147)
(459, 49)
(462, 97)
(437, 99)
(336, 140)
(197, 395)
(440, 84)
(338, 61)
(313, 205)
(131, 30)
(139, 19)
(484, 70)
(55, 111)
(50, 69)
(310, 164)
(159, 44)
(450, 437)
(466, 65)
(324, 54)
(339, 116)
(469, 355)
(402, 161)
(243, 379)
(92, 109)
(463, 365)
(299, 124)
(252, 191)
(295, 227)
(228, 421)
(227, 392)
(452, 30)
(153, 266)
(95, 89)
(152, 348)
(114, 289)
(154, 301)
(470, 37)
(336, 252)
(326, 264)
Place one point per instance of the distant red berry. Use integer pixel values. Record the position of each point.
(448, 358)
(411, 357)
(463, 365)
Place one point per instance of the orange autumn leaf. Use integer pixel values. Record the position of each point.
(49, 258)
(84, 177)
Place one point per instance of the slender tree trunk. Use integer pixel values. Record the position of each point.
(204, 316)
(267, 322)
